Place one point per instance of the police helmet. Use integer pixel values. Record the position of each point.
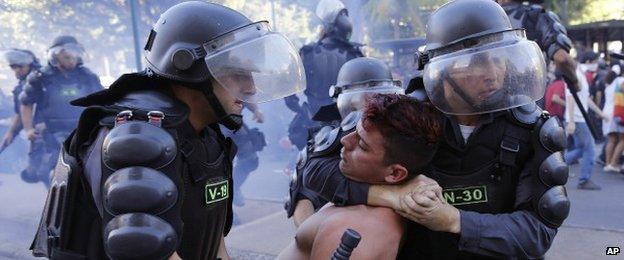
(335, 18)
(20, 57)
(358, 79)
(193, 42)
(475, 62)
(67, 45)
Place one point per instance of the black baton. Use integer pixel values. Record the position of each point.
(350, 239)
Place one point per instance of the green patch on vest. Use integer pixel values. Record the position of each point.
(467, 195)
(69, 92)
(217, 191)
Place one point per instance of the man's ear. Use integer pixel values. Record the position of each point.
(397, 173)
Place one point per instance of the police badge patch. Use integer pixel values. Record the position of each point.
(217, 191)
(467, 195)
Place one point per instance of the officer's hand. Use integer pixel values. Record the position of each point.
(258, 116)
(7, 139)
(32, 134)
(570, 128)
(433, 213)
(421, 184)
(391, 195)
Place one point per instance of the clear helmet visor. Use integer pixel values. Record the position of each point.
(17, 57)
(353, 98)
(327, 10)
(487, 78)
(70, 53)
(255, 65)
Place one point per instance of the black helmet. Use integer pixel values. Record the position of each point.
(62, 40)
(335, 18)
(194, 42)
(476, 63)
(357, 79)
(67, 44)
(174, 49)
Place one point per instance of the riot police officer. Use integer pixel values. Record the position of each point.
(358, 79)
(22, 62)
(321, 61)
(51, 89)
(495, 187)
(147, 173)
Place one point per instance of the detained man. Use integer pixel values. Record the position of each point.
(393, 142)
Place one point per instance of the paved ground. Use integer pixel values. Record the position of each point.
(595, 221)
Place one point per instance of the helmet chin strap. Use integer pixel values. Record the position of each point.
(230, 121)
(461, 92)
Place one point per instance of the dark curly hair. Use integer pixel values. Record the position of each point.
(410, 128)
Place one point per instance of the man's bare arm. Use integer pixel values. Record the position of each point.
(303, 210)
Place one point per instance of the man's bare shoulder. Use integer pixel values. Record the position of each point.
(381, 230)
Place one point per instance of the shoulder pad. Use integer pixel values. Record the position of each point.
(325, 139)
(138, 143)
(554, 206)
(350, 121)
(527, 114)
(552, 136)
(553, 16)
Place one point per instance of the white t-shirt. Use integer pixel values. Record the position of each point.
(609, 92)
(583, 95)
(466, 131)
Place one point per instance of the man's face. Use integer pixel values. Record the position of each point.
(363, 156)
(480, 80)
(20, 70)
(67, 60)
(230, 103)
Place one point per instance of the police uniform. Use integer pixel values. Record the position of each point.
(131, 143)
(52, 90)
(507, 178)
(322, 60)
(136, 180)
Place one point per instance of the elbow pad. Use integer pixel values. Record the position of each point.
(140, 192)
(554, 35)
